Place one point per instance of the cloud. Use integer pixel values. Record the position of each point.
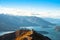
(14, 11)
(47, 13)
(33, 12)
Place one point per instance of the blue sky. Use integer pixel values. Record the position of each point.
(31, 3)
(49, 7)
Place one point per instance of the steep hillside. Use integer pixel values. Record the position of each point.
(24, 35)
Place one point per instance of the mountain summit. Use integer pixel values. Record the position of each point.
(24, 35)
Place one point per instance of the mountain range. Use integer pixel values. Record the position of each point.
(9, 22)
(53, 20)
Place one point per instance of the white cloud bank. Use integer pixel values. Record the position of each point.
(33, 12)
(13, 11)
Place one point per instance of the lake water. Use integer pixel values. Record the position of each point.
(53, 34)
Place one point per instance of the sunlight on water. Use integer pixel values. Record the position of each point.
(2, 33)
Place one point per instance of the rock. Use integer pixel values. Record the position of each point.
(37, 36)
